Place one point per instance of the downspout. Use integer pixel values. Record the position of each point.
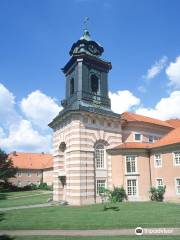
(150, 174)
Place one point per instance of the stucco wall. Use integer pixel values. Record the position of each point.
(119, 175)
(169, 172)
(146, 130)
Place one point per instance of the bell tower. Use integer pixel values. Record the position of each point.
(86, 76)
(85, 128)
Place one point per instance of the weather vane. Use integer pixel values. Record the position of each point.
(85, 23)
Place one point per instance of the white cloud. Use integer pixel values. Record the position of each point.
(156, 68)
(122, 101)
(7, 104)
(173, 73)
(166, 108)
(39, 108)
(18, 133)
(23, 137)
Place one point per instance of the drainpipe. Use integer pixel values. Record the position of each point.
(150, 174)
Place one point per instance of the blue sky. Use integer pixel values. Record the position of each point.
(139, 37)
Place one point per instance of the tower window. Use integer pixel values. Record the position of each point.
(72, 86)
(100, 156)
(94, 83)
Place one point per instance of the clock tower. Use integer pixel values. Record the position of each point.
(86, 77)
(85, 128)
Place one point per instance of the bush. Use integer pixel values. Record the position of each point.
(157, 194)
(118, 194)
(44, 186)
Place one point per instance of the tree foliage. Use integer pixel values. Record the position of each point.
(118, 194)
(157, 194)
(7, 169)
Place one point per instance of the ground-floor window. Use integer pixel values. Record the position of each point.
(132, 187)
(178, 186)
(159, 182)
(100, 183)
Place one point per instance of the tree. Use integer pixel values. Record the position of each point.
(7, 169)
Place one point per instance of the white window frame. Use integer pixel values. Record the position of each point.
(140, 137)
(97, 188)
(131, 173)
(159, 178)
(155, 160)
(137, 189)
(153, 139)
(176, 186)
(100, 166)
(29, 173)
(174, 160)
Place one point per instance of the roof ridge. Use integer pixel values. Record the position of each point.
(141, 118)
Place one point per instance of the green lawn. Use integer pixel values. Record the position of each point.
(130, 215)
(22, 193)
(94, 238)
(23, 198)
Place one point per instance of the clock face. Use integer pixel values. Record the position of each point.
(93, 49)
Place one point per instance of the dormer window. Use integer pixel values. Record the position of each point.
(137, 137)
(72, 86)
(151, 139)
(94, 84)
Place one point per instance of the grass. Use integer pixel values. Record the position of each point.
(130, 215)
(14, 199)
(94, 238)
(22, 193)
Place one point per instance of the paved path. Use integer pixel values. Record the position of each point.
(30, 195)
(27, 206)
(99, 232)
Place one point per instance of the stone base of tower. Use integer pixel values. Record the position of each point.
(75, 173)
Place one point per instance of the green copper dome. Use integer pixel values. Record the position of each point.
(87, 46)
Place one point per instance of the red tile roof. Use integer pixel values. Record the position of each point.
(31, 160)
(174, 122)
(133, 117)
(133, 145)
(172, 137)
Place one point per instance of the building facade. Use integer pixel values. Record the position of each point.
(95, 147)
(33, 168)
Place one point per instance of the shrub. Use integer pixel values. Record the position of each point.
(118, 194)
(44, 186)
(157, 194)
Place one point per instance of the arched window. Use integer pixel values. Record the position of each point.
(72, 86)
(100, 156)
(94, 84)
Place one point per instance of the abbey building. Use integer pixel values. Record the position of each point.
(95, 147)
